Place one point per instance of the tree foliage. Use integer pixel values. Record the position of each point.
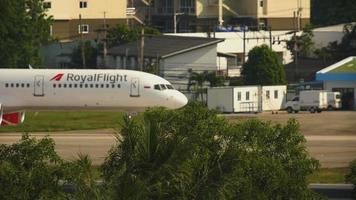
(121, 34)
(30, 169)
(302, 44)
(91, 53)
(351, 177)
(24, 27)
(263, 67)
(194, 154)
(330, 12)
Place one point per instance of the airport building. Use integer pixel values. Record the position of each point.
(341, 77)
(84, 18)
(201, 15)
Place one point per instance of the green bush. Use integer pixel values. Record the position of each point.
(194, 154)
(351, 177)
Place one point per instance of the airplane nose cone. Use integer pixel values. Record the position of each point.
(179, 100)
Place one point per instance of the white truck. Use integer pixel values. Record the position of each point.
(334, 100)
(311, 100)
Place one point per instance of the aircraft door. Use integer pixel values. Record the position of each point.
(39, 86)
(135, 87)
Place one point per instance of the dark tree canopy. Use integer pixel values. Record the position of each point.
(121, 34)
(263, 67)
(330, 12)
(23, 29)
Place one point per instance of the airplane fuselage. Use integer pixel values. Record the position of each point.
(56, 89)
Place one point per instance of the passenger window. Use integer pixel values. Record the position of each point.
(163, 87)
(70, 85)
(6, 85)
(91, 85)
(22, 85)
(17, 85)
(59, 85)
(86, 85)
(107, 86)
(28, 85)
(118, 86)
(75, 85)
(97, 85)
(157, 87)
(64, 85)
(54, 85)
(12, 85)
(112, 86)
(81, 85)
(102, 85)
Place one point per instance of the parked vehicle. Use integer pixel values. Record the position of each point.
(311, 100)
(334, 100)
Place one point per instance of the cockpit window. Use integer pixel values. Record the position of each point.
(157, 87)
(163, 86)
(170, 87)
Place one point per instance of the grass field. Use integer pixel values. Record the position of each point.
(335, 175)
(65, 121)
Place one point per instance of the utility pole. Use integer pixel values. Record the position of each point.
(244, 45)
(105, 50)
(81, 41)
(296, 27)
(142, 46)
(270, 36)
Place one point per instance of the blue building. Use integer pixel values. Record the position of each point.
(341, 77)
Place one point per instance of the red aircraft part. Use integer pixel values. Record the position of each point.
(11, 119)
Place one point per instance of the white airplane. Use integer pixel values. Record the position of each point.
(55, 89)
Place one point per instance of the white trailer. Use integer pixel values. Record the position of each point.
(246, 98)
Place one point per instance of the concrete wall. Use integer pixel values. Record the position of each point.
(69, 9)
(283, 8)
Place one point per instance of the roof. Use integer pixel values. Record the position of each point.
(345, 70)
(163, 46)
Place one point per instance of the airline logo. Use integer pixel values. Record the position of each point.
(97, 77)
(57, 77)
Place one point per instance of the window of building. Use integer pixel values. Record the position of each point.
(83, 4)
(261, 3)
(276, 94)
(84, 28)
(267, 94)
(247, 96)
(47, 5)
(239, 96)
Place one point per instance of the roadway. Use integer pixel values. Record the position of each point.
(333, 151)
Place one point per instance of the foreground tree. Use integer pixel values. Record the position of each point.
(194, 154)
(351, 177)
(24, 27)
(30, 169)
(263, 67)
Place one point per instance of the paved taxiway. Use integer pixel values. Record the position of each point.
(332, 151)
